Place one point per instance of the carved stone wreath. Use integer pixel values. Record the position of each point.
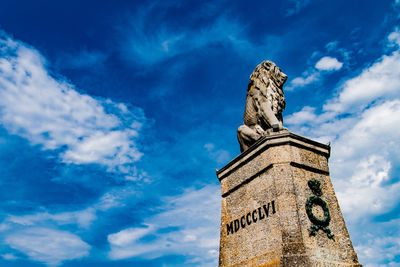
(316, 223)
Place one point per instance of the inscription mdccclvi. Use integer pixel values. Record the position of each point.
(251, 217)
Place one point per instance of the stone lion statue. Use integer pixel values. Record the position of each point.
(264, 104)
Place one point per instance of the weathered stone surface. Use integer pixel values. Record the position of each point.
(272, 178)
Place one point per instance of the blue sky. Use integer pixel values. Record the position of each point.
(115, 114)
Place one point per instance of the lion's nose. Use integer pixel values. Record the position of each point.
(284, 77)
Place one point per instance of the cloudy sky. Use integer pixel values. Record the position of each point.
(115, 114)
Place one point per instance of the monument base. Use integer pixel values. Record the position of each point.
(279, 207)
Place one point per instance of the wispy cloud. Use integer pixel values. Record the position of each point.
(53, 237)
(394, 37)
(185, 226)
(36, 235)
(9, 257)
(219, 155)
(150, 47)
(53, 114)
(384, 245)
(298, 5)
(83, 218)
(82, 59)
(331, 46)
(304, 80)
(48, 246)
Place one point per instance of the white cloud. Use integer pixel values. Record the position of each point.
(362, 160)
(305, 115)
(328, 64)
(380, 81)
(188, 226)
(42, 226)
(303, 81)
(116, 198)
(53, 114)
(382, 242)
(48, 246)
(363, 124)
(9, 257)
(35, 235)
(127, 236)
(365, 192)
(394, 37)
(83, 218)
(380, 123)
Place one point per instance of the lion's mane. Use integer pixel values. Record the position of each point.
(267, 77)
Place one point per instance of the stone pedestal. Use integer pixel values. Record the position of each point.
(279, 207)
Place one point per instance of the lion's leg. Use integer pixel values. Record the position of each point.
(246, 137)
(270, 117)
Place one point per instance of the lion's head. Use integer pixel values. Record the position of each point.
(269, 79)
